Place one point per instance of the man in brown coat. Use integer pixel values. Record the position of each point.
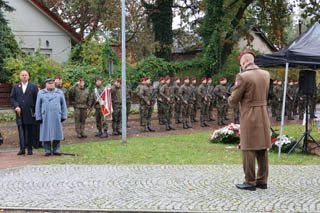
(251, 90)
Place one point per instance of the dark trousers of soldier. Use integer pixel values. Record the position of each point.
(177, 111)
(273, 108)
(186, 111)
(204, 106)
(167, 113)
(301, 106)
(147, 113)
(194, 110)
(210, 110)
(128, 110)
(222, 109)
(236, 113)
(278, 107)
(295, 107)
(80, 116)
(249, 166)
(160, 112)
(101, 122)
(116, 117)
(141, 113)
(312, 105)
(289, 108)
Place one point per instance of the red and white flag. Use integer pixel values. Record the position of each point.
(105, 101)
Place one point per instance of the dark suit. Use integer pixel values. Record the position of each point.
(27, 102)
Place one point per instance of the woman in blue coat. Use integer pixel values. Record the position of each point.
(51, 111)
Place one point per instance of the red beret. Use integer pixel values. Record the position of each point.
(142, 80)
(246, 52)
(203, 79)
(167, 78)
(296, 81)
(291, 81)
(98, 79)
(193, 79)
(117, 80)
(222, 79)
(81, 79)
(209, 79)
(186, 78)
(161, 79)
(146, 78)
(177, 78)
(59, 77)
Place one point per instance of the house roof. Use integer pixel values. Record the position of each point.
(257, 31)
(75, 36)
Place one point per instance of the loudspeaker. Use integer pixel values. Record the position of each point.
(307, 82)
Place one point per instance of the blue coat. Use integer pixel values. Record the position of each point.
(51, 108)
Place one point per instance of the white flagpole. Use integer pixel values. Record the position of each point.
(283, 106)
(123, 72)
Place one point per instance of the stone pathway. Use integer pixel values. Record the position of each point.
(157, 188)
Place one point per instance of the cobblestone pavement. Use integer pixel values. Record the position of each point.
(158, 187)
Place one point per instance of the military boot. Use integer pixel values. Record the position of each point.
(185, 126)
(79, 135)
(236, 121)
(203, 125)
(188, 126)
(167, 127)
(98, 134)
(226, 118)
(178, 122)
(145, 129)
(119, 132)
(171, 127)
(150, 129)
(83, 135)
(104, 135)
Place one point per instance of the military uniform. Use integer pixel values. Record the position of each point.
(277, 92)
(273, 100)
(160, 105)
(236, 112)
(146, 94)
(177, 103)
(204, 103)
(65, 92)
(221, 102)
(167, 99)
(194, 107)
(211, 102)
(140, 100)
(81, 104)
(295, 99)
(185, 93)
(290, 102)
(312, 104)
(301, 105)
(116, 106)
(101, 121)
(128, 102)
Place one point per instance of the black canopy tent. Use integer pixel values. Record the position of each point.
(303, 52)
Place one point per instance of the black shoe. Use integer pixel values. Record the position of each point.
(104, 135)
(98, 134)
(115, 133)
(188, 126)
(21, 152)
(206, 124)
(236, 122)
(262, 186)
(57, 153)
(79, 136)
(194, 121)
(30, 152)
(178, 122)
(171, 128)
(203, 125)
(150, 129)
(119, 132)
(47, 154)
(246, 187)
(145, 129)
(225, 118)
(83, 136)
(167, 128)
(185, 127)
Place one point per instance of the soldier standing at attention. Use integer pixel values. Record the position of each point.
(211, 100)
(59, 85)
(301, 105)
(167, 100)
(177, 104)
(81, 105)
(274, 99)
(194, 107)
(147, 96)
(185, 93)
(295, 97)
(128, 102)
(203, 101)
(220, 92)
(101, 122)
(142, 82)
(160, 103)
(116, 106)
(277, 92)
(290, 100)
(236, 112)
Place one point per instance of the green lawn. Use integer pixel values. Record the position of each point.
(182, 149)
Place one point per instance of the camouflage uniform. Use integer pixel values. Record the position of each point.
(236, 112)
(312, 104)
(194, 107)
(128, 102)
(211, 102)
(65, 92)
(165, 94)
(146, 92)
(273, 102)
(177, 103)
(204, 103)
(221, 102)
(277, 92)
(185, 93)
(116, 106)
(295, 99)
(81, 104)
(160, 107)
(301, 105)
(290, 101)
(101, 121)
(140, 102)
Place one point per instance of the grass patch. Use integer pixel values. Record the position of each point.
(181, 149)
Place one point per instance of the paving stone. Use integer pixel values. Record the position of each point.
(158, 187)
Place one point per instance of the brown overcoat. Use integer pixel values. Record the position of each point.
(251, 90)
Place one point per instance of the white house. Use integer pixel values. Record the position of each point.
(36, 27)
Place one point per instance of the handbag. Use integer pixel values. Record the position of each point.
(1, 139)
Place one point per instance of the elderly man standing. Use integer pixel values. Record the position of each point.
(23, 98)
(51, 111)
(251, 90)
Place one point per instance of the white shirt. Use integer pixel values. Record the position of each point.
(24, 87)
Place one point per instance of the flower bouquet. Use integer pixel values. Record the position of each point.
(287, 143)
(229, 134)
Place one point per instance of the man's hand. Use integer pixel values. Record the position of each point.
(148, 102)
(18, 110)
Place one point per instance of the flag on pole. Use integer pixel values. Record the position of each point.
(105, 101)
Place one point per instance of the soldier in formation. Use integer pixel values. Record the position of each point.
(211, 99)
(203, 94)
(167, 98)
(142, 83)
(185, 93)
(128, 102)
(277, 93)
(116, 106)
(160, 103)
(220, 91)
(290, 100)
(81, 105)
(177, 101)
(101, 121)
(148, 97)
(194, 107)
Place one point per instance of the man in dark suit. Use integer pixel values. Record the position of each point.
(23, 99)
